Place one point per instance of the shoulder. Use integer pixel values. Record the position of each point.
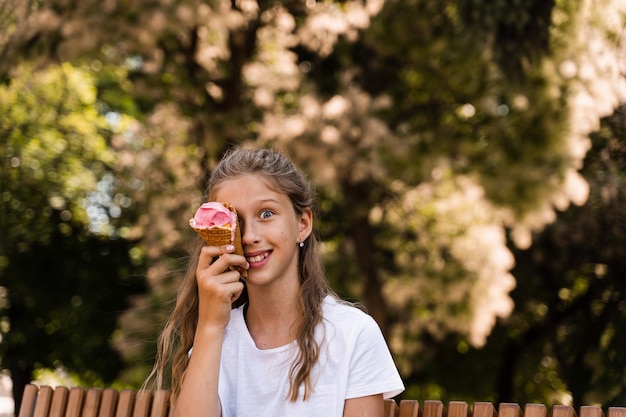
(334, 306)
(347, 317)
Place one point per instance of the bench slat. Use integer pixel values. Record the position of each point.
(391, 408)
(108, 404)
(408, 408)
(28, 400)
(160, 404)
(59, 402)
(75, 402)
(44, 399)
(563, 411)
(616, 412)
(125, 403)
(535, 410)
(92, 403)
(143, 401)
(457, 409)
(433, 408)
(509, 410)
(591, 411)
(484, 409)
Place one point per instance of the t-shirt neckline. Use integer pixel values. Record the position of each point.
(243, 327)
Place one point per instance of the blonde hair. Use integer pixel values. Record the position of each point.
(282, 176)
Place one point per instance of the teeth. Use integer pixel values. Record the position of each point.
(258, 258)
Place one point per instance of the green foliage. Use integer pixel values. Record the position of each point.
(561, 344)
(466, 106)
(53, 154)
(64, 286)
(434, 130)
(577, 268)
(65, 297)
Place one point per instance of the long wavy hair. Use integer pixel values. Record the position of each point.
(177, 337)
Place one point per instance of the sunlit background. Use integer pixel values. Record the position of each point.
(7, 406)
(470, 159)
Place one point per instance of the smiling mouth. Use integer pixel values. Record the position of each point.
(257, 258)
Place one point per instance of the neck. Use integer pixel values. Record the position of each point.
(272, 320)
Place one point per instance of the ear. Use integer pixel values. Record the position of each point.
(305, 224)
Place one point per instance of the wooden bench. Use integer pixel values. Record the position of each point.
(61, 401)
(435, 408)
(46, 401)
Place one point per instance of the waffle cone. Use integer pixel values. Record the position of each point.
(219, 236)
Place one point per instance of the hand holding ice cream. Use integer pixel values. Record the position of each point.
(218, 225)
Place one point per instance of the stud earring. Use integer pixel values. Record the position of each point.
(301, 244)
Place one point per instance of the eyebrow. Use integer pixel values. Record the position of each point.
(268, 200)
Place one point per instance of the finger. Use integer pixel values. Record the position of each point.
(209, 254)
(236, 289)
(222, 286)
(209, 279)
(238, 261)
(225, 262)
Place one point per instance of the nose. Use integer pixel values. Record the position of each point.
(248, 233)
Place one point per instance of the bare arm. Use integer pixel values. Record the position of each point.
(217, 289)
(198, 395)
(370, 406)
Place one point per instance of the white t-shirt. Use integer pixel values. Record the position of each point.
(354, 362)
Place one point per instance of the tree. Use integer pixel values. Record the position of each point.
(573, 298)
(63, 284)
(559, 345)
(438, 132)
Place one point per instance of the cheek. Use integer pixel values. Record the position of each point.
(284, 237)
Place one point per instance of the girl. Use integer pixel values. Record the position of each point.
(282, 343)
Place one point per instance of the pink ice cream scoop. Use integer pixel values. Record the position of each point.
(217, 225)
(214, 214)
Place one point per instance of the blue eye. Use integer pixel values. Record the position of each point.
(266, 214)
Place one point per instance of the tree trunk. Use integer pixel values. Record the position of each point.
(362, 233)
(20, 377)
(366, 257)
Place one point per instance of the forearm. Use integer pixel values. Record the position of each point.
(198, 396)
(370, 406)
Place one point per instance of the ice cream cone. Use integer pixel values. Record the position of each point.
(221, 235)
